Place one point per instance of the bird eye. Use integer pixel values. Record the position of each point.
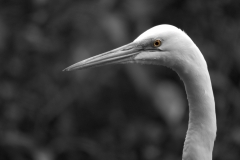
(157, 43)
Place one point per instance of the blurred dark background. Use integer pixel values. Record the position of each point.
(118, 112)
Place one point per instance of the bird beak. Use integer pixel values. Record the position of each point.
(122, 54)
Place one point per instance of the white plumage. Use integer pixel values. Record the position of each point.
(169, 46)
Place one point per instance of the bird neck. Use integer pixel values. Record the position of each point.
(201, 132)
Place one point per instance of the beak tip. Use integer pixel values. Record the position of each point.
(66, 69)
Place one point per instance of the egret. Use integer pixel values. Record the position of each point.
(169, 46)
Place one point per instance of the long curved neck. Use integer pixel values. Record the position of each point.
(202, 128)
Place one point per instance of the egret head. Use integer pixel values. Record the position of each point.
(169, 46)
(161, 45)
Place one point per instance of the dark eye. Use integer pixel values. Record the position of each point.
(157, 43)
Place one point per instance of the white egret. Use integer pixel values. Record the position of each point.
(171, 47)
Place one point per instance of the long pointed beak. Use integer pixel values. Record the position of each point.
(122, 54)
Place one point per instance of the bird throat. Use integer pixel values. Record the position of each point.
(201, 132)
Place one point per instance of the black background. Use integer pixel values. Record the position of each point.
(114, 112)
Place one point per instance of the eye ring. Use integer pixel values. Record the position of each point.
(157, 43)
